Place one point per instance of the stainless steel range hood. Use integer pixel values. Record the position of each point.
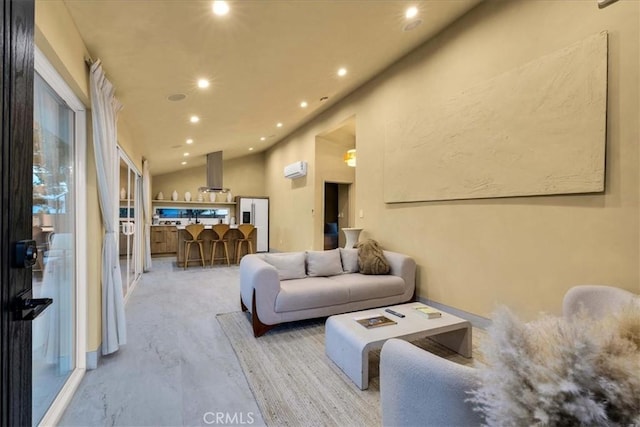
(214, 174)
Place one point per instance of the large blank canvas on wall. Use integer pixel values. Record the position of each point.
(535, 130)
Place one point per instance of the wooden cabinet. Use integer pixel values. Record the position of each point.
(164, 239)
(171, 236)
(158, 242)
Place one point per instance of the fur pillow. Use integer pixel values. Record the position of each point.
(371, 260)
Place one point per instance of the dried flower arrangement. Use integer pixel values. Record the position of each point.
(559, 372)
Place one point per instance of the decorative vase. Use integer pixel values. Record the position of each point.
(187, 196)
(229, 197)
(352, 235)
(212, 197)
(200, 197)
(174, 196)
(160, 196)
(123, 194)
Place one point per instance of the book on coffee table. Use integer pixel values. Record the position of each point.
(374, 321)
(430, 312)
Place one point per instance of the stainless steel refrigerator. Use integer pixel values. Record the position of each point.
(255, 210)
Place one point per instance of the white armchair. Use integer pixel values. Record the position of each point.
(598, 300)
(418, 388)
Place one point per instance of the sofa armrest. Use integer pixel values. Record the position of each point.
(420, 388)
(256, 273)
(403, 266)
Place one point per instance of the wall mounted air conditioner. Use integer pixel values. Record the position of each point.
(295, 170)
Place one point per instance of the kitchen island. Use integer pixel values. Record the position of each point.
(207, 236)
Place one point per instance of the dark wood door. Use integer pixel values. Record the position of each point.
(16, 148)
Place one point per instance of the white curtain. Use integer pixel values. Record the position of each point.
(104, 114)
(146, 205)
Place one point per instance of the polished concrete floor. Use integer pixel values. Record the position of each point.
(177, 368)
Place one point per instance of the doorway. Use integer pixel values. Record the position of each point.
(336, 213)
(335, 185)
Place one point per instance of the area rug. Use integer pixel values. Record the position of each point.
(296, 384)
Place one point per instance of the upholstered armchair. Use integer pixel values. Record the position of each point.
(598, 300)
(418, 388)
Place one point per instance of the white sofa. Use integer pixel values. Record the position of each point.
(420, 388)
(286, 287)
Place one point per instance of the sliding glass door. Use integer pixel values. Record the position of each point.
(59, 274)
(130, 222)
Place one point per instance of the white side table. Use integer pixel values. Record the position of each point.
(352, 235)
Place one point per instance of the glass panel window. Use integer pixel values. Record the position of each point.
(176, 213)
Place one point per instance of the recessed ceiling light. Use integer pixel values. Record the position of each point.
(279, 125)
(194, 119)
(186, 154)
(183, 163)
(220, 7)
(262, 138)
(342, 72)
(176, 97)
(411, 12)
(250, 148)
(304, 104)
(189, 141)
(203, 83)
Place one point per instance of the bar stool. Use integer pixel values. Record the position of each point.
(246, 230)
(194, 231)
(220, 230)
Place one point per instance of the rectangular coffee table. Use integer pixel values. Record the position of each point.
(348, 343)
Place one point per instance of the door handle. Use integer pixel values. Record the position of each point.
(127, 228)
(30, 308)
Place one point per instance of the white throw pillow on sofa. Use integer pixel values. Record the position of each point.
(289, 265)
(349, 260)
(324, 263)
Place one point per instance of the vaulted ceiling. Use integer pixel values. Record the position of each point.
(262, 59)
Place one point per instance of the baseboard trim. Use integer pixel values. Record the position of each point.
(476, 321)
(92, 359)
